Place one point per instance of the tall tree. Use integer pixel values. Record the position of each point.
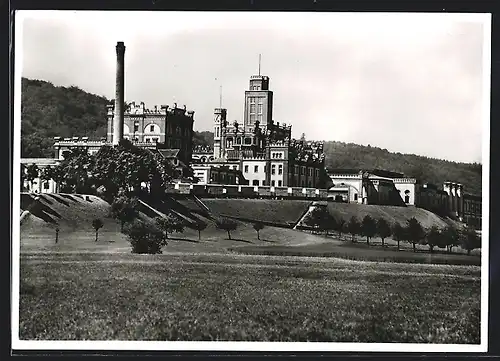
(32, 173)
(368, 227)
(415, 232)
(398, 233)
(353, 227)
(383, 229)
(470, 239)
(432, 238)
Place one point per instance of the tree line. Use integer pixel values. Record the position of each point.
(125, 169)
(321, 220)
(150, 236)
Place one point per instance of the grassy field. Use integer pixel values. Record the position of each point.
(106, 296)
(279, 212)
(392, 214)
(214, 288)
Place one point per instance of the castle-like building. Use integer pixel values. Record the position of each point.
(261, 149)
(167, 130)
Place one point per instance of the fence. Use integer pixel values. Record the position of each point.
(242, 191)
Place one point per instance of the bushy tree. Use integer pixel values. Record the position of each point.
(340, 226)
(398, 233)
(124, 209)
(200, 226)
(451, 237)
(353, 227)
(320, 219)
(470, 239)
(32, 172)
(432, 238)
(169, 224)
(368, 228)
(415, 232)
(145, 237)
(97, 224)
(258, 226)
(226, 224)
(383, 229)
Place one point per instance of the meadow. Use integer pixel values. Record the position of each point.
(91, 296)
(276, 288)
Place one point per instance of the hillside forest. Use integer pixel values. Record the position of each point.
(48, 111)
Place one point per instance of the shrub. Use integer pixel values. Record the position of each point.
(145, 237)
(432, 238)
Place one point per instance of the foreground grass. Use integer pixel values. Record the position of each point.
(231, 297)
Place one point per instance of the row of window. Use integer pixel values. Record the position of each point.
(255, 182)
(252, 108)
(178, 130)
(303, 171)
(277, 155)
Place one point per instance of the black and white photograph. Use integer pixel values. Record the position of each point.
(251, 181)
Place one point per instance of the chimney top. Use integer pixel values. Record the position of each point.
(120, 43)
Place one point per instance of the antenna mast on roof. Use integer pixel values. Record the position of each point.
(259, 64)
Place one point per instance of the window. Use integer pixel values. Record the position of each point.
(407, 198)
(256, 169)
(259, 118)
(273, 169)
(280, 183)
(217, 132)
(255, 182)
(355, 196)
(248, 141)
(296, 169)
(252, 100)
(280, 169)
(272, 183)
(246, 169)
(147, 140)
(46, 185)
(260, 100)
(310, 172)
(136, 127)
(317, 172)
(252, 118)
(260, 108)
(252, 108)
(151, 128)
(263, 182)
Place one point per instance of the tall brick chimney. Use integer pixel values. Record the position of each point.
(120, 90)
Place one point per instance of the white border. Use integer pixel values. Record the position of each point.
(254, 346)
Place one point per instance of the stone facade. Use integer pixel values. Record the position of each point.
(263, 149)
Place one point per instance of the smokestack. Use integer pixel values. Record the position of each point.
(120, 90)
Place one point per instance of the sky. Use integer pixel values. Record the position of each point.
(410, 83)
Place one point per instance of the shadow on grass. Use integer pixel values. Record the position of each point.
(182, 239)
(57, 199)
(68, 196)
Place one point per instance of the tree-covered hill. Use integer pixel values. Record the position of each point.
(49, 111)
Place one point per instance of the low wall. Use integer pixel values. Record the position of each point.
(246, 191)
